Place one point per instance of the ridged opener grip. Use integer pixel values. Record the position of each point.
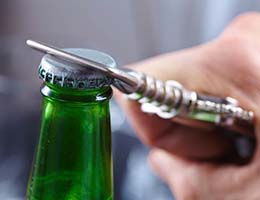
(170, 99)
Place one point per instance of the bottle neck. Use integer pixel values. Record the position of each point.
(73, 158)
(76, 95)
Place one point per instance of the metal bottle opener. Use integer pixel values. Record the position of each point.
(166, 99)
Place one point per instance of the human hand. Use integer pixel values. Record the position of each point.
(227, 66)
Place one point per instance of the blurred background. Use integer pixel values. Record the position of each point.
(129, 30)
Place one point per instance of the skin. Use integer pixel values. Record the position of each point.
(226, 66)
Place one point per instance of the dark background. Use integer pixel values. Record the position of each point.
(129, 30)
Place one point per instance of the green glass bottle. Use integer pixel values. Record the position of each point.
(73, 158)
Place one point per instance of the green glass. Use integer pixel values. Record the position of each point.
(73, 158)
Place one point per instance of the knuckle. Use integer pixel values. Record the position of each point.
(245, 25)
(240, 56)
(246, 18)
(240, 53)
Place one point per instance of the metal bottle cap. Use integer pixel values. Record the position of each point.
(66, 74)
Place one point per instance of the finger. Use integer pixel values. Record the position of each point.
(181, 140)
(196, 143)
(193, 180)
(190, 142)
(185, 178)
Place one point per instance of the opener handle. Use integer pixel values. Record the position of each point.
(171, 100)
